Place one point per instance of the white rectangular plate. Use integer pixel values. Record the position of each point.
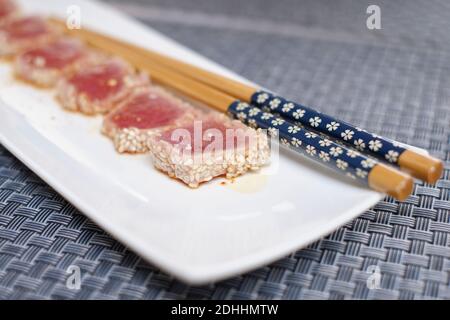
(203, 235)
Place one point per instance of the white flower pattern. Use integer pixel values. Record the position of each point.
(293, 129)
(262, 97)
(325, 143)
(352, 153)
(242, 116)
(367, 163)
(332, 126)
(296, 142)
(273, 132)
(266, 116)
(375, 145)
(324, 156)
(299, 113)
(253, 112)
(361, 173)
(359, 144)
(341, 164)
(336, 151)
(391, 156)
(347, 134)
(315, 122)
(252, 123)
(274, 103)
(310, 135)
(311, 150)
(287, 107)
(277, 122)
(242, 106)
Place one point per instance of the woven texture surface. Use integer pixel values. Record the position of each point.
(392, 81)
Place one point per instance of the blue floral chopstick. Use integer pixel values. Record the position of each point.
(344, 160)
(423, 167)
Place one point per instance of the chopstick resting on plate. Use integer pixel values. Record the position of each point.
(421, 166)
(346, 161)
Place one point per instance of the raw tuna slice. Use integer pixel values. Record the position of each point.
(98, 87)
(145, 112)
(207, 148)
(8, 10)
(45, 65)
(24, 33)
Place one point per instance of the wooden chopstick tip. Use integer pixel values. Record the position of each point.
(423, 167)
(388, 180)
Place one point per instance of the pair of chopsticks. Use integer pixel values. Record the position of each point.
(223, 93)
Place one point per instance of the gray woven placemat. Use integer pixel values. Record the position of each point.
(392, 81)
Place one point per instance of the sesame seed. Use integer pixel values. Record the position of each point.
(112, 82)
(39, 62)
